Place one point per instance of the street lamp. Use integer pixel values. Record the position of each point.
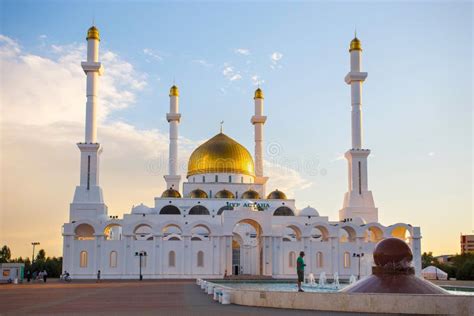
(141, 254)
(34, 243)
(358, 255)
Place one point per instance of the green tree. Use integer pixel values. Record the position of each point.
(466, 271)
(5, 254)
(427, 259)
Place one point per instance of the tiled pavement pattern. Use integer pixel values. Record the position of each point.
(164, 297)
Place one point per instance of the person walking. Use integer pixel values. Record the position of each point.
(98, 276)
(28, 276)
(300, 270)
(45, 276)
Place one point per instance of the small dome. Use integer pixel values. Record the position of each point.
(355, 45)
(174, 91)
(170, 193)
(309, 211)
(93, 33)
(141, 209)
(276, 195)
(225, 194)
(250, 194)
(258, 94)
(198, 194)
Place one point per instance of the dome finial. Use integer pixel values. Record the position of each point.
(93, 33)
(355, 43)
(174, 91)
(222, 126)
(258, 93)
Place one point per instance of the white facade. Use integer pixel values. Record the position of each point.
(224, 223)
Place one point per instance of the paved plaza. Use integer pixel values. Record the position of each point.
(165, 297)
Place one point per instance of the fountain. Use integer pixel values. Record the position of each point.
(352, 279)
(311, 279)
(336, 280)
(322, 279)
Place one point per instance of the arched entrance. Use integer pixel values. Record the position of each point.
(247, 248)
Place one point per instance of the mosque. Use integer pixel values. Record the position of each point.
(222, 220)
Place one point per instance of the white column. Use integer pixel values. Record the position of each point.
(173, 118)
(258, 120)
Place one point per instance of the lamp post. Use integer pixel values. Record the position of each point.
(358, 255)
(34, 243)
(140, 255)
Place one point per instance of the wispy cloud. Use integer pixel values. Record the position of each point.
(275, 58)
(230, 73)
(242, 51)
(256, 80)
(202, 62)
(153, 54)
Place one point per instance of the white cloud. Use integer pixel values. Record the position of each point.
(202, 62)
(431, 153)
(153, 54)
(284, 179)
(230, 73)
(276, 57)
(256, 80)
(242, 51)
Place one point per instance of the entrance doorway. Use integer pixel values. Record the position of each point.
(247, 250)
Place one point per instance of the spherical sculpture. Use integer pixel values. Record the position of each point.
(392, 251)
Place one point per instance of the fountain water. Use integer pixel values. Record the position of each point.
(311, 280)
(322, 279)
(352, 279)
(336, 280)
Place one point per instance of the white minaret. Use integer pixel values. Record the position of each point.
(258, 120)
(173, 117)
(88, 200)
(358, 201)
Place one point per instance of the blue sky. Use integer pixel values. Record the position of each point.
(417, 98)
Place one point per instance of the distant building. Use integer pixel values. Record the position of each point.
(444, 259)
(467, 243)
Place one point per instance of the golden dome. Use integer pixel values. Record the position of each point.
(276, 195)
(198, 194)
(93, 32)
(170, 193)
(355, 45)
(258, 94)
(225, 194)
(174, 92)
(250, 194)
(221, 154)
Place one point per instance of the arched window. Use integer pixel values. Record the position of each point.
(347, 260)
(200, 259)
(84, 232)
(283, 211)
(170, 210)
(292, 259)
(83, 259)
(319, 259)
(199, 210)
(172, 259)
(113, 259)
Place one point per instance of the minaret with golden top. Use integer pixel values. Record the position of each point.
(173, 179)
(358, 201)
(258, 120)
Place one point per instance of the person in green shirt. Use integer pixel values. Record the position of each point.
(300, 270)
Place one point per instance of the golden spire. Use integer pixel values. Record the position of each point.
(174, 92)
(355, 44)
(258, 94)
(93, 33)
